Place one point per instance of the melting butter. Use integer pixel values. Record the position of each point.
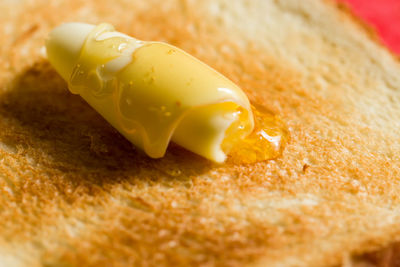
(265, 142)
(153, 93)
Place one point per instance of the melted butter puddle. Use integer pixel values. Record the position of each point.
(265, 142)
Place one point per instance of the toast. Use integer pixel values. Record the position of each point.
(74, 192)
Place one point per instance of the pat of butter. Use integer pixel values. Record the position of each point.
(151, 92)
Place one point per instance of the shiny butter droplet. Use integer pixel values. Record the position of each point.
(267, 141)
(122, 46)
(173, 172)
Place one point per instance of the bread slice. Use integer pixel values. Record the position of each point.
(74, 192)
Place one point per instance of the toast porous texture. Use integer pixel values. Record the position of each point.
(74, 192)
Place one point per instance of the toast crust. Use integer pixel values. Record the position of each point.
(379, 255)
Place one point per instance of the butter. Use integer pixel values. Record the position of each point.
(151, 92)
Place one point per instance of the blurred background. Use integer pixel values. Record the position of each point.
(383, 15)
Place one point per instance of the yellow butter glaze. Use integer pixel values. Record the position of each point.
(162, 94)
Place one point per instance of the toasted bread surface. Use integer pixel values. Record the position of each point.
(74, 192)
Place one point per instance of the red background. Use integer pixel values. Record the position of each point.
(383, 15)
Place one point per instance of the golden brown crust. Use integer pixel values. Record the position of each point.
(383, 255)
(74, 192)
(368, 28)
